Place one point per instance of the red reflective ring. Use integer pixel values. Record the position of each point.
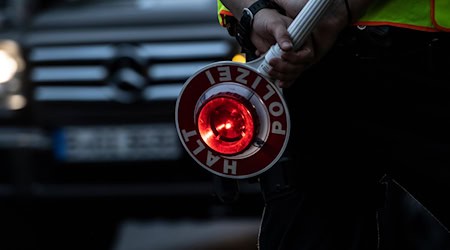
(226, 124)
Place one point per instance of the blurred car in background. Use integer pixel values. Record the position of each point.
(87, 98)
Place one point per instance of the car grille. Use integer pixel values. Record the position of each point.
(124, 80)
(87, 78)
(101, 72)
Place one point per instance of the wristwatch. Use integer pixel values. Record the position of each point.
(249, 13)
(245, 25)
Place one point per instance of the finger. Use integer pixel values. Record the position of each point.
(285, 67)
(285, 84)
(282, 36)
(283, 39)
(262, 44)
(287, 76)
(304, 55)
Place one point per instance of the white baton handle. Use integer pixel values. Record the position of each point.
(299, 30)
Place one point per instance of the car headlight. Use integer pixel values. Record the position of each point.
(11, 67)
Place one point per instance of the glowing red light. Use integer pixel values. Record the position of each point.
(226, 125)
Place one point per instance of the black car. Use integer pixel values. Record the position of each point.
(87, 133)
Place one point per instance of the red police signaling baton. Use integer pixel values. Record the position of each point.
(231, 117)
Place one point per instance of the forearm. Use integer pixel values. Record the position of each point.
(357, 7)
(343, 13)
(337, 14)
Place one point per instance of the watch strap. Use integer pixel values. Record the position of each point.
(245, 26)
(249, 13)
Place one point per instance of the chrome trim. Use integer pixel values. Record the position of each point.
(185, 50)
(68, 73)
(69, 53)
(74, 93)
(166, 92)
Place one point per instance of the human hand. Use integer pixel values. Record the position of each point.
(270, 27)
(321, 39)
(293, 63)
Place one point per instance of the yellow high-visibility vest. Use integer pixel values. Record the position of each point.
(431, 15)
(222, 12)
(425, 15)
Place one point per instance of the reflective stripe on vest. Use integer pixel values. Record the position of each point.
(441, 14)
(426, 15)
(222, 11)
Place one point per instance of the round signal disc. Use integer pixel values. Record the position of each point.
(231, 120)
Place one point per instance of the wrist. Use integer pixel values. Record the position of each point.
(336, 17)
(249, 13)
(245, 25)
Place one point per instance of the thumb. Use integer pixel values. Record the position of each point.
(283, 38)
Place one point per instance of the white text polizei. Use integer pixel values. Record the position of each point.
(275, 108)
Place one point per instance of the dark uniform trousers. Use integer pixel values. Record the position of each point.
(378, 105)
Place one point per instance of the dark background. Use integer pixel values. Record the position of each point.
(97, 72)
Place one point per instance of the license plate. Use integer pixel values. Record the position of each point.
(117, 143)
